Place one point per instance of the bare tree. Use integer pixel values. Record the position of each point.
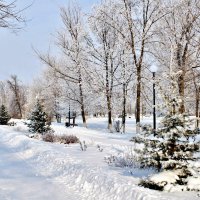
(135, 24)
(103, 53)
(19, 98)
(72, 68)
(10, 15)
(3, 91)
(179, 33)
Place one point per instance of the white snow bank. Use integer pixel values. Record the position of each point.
(193, 183)
(165, 177)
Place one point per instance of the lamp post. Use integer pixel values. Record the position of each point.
(69, 112)
(154, 70)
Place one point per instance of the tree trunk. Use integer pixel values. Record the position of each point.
(138, 99)
(108, 96)
(181, 61)
(124, 109)
(181, 85)
(83, 116)
(82, 101)
(110, 119)
(19, 107)
(109, 111)
(197, 106)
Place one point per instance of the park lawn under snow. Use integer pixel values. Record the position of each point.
(36, 170)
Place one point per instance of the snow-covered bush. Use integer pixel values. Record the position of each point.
(68, 139)
(38, 120)
(63, 139)
(11, 123)
(50, 137)
(123, 158)
(170, 150)
(4, 117)
(122, 161)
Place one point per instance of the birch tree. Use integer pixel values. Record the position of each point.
(179, 33)
(103, 51)
(3, 95)
(135, 25)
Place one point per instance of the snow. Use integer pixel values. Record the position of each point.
(33, 169)
(166, 176)
(19, 180)
(194, 183)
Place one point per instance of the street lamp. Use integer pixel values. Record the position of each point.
(69, 113)
(154, 69)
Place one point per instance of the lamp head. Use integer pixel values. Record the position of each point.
(153, 68)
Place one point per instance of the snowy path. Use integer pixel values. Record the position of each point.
(19, 182)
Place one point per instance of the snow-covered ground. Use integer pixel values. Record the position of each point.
(36, 170)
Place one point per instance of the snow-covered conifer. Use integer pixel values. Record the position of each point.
(171, 149)
(172, 146)
(38, 120)
(4, 117)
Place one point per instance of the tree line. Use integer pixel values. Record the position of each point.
(103, 60)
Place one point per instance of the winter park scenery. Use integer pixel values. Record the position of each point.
(99, 100)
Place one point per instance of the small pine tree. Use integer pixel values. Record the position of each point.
(172, 148)
(38, 120)
(4, 117)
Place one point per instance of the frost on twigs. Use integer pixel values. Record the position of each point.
(123, 159)
(120, 161)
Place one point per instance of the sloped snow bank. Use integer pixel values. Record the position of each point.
(174, 180)
(59, 163)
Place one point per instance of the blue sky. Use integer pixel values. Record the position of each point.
(16, 53)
